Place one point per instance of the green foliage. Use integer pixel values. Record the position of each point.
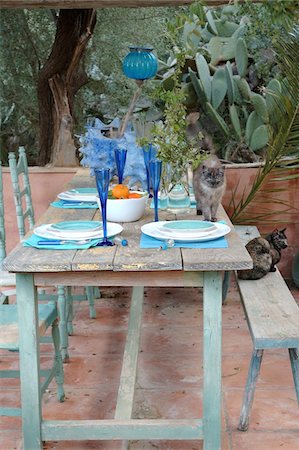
(26, 37)
(284, 140)
(169, 136)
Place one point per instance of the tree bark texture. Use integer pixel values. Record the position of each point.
(59, 80)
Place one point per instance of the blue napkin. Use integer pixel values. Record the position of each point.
(33, 240)
(150, 242)
(74, 204)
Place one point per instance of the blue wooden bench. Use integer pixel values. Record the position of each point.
(273, 319)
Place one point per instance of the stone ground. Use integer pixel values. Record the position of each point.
(169, 379)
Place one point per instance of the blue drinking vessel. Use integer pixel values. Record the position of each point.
(102, 182)
(120, 160)
(155, 169)
(149, 153)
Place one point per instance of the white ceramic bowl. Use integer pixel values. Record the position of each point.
(125, 209)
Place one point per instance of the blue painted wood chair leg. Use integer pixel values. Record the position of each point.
(69, 311)
(59, 374)
(61, 300)
(90, 297)
(294, 358)
(253, 373)
(212, 304)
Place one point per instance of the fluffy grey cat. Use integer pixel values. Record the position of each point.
(209, 184)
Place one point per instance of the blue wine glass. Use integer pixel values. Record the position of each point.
(120, 159)
(155, 168)
(149, 153)
(102, 182)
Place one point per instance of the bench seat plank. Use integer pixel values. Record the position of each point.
(272, 312)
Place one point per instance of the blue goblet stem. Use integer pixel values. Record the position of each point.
(102, 182)
(155, 167)
(120, 159)
(156, 205)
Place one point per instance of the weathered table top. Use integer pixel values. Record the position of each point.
(129, 258)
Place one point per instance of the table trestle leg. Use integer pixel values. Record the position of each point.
(125, 398)
(212, 303)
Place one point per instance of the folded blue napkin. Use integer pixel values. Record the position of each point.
(33, 241)
(150, 242)
(74, 204)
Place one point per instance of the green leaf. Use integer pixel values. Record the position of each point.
(204, 74)
(211, 22)
(219, 87)
(241, 57)
(217, 119)
(234, 117)
(259, 138)
(260, 106)
(198, 88)
(253, 122)
(230, 82)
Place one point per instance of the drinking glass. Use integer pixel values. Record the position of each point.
(149, 153)
(155, 169)
(102, 182)
(120, 159)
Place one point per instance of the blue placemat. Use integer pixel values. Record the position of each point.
(33, 241)
(76, 205)
(150, 242)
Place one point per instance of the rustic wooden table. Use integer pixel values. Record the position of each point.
(122, 266)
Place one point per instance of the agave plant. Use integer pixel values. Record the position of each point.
(283, 146)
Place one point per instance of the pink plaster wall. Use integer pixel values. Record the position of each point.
(45, 185)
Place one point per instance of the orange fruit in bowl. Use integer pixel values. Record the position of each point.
(120, 191)
(134, 195)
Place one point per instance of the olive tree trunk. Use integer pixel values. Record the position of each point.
(59, 80)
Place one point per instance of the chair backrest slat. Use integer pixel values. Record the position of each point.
(2, 228)
(18, 172)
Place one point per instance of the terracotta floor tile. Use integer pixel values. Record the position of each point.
(271, 409)
(81, 403)
(266, 441)
(169, 372)
(171, 340)
(92, 370)
(10, 440)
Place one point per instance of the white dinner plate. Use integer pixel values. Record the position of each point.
(78, 196)
(75, 226)
(153, 229)
(188, 227)
(45, 231)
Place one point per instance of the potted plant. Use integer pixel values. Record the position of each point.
(169, 137)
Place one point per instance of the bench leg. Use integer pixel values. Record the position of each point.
(254, 369)
(225, 285)
(294, 358)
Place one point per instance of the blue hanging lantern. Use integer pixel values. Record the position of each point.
(140, 63)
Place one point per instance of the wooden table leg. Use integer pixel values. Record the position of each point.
(29, 362)
(212, 300)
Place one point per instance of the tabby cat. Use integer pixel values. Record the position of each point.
(278, 241)
(209, 184)
(265, 254)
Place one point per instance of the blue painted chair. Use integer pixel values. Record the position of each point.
(7, 280)
(9, 340)
(24, 210)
